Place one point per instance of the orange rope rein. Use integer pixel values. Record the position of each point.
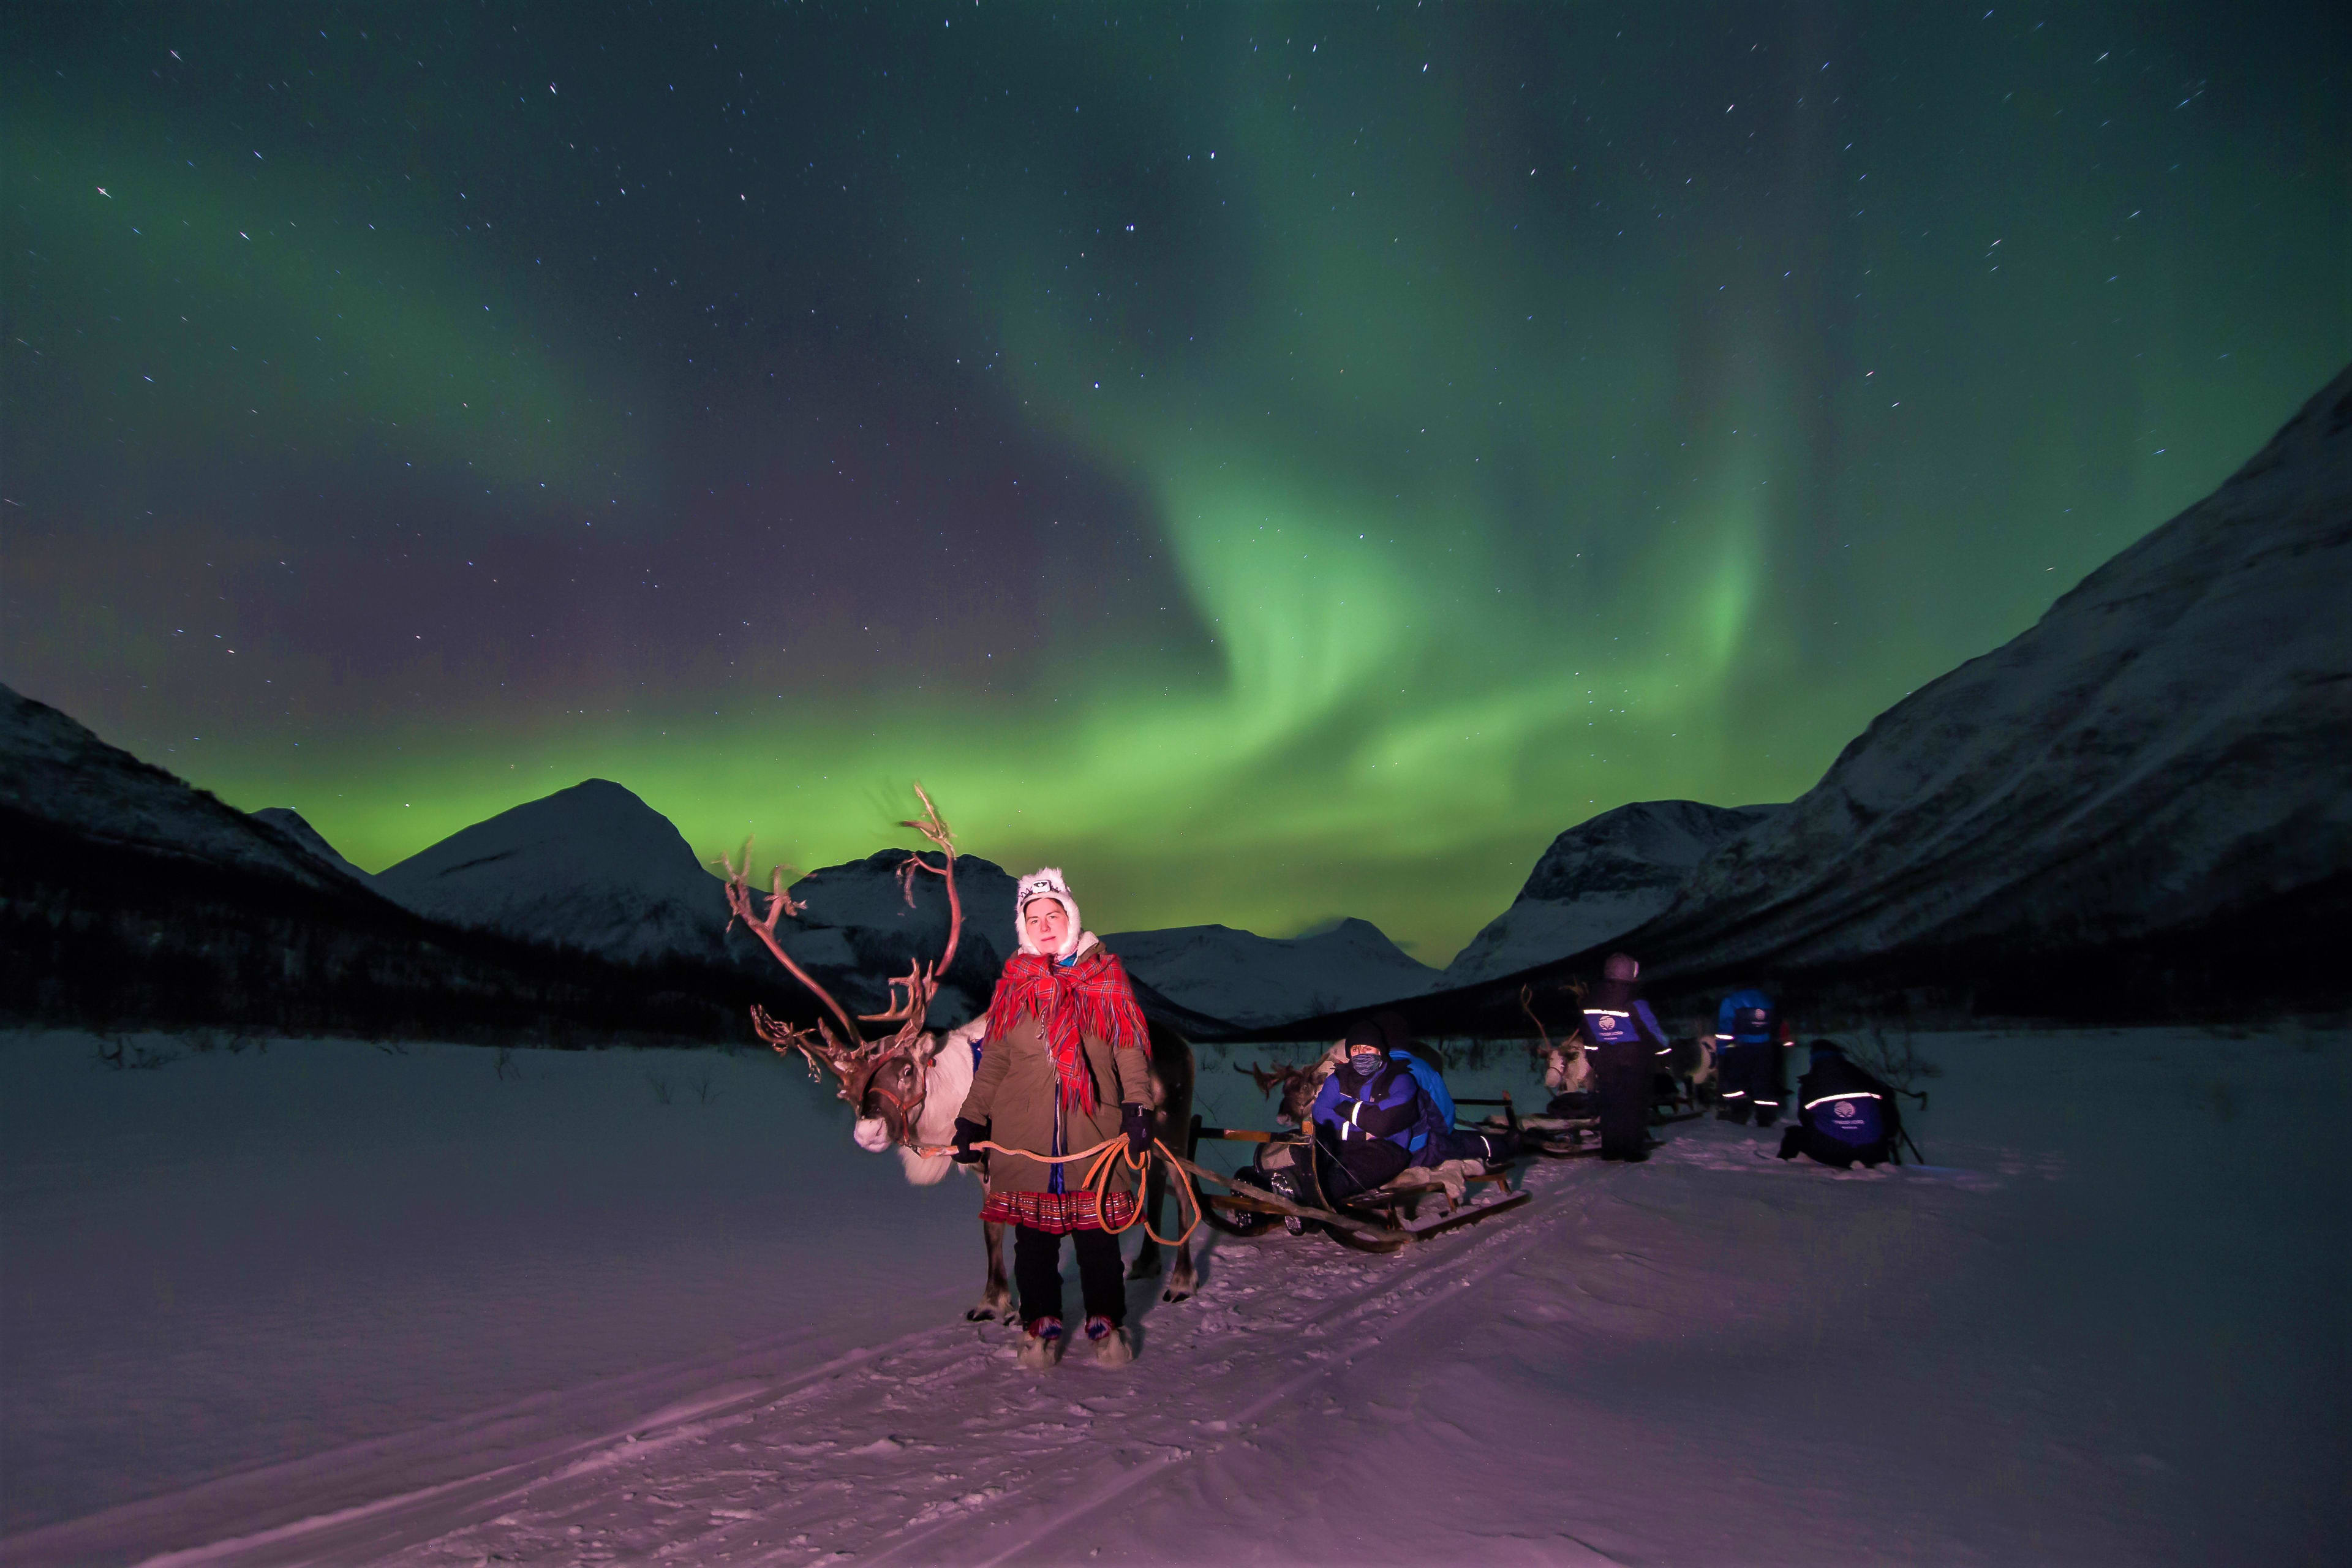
(1106, 1156)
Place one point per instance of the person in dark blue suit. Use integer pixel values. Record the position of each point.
(1626, 1046)
(1747, 1058)
(1371, 1118)
(1844, 1116)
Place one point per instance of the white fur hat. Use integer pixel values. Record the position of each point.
(1046, 883)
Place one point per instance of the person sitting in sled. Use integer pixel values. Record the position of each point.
(1844, 1116)
(1625, 1045)
(1443, 1141)
(1747, 1039)
(1065, 1068)
(1371, 1117)
(1396, 1035)
(1388, 1096)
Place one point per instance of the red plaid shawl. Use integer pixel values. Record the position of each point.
(1090, 997)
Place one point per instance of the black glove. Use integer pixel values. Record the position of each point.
(1135, 1123)
(968, 1133)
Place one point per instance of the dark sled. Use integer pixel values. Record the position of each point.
(1384, 1220)
(1570, 1137)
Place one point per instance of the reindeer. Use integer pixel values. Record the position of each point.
(1296, 1086)
(907, 1087)
(1701, 1075)
(1566, 1069)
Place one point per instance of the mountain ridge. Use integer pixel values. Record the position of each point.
(2039, 831)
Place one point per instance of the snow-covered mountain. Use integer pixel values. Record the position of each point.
(1599, 879)
(56, 772)
(857, 929)
(128, 895)
(591, 867)
(292, 823)
(2166, 756)
(1256, 981)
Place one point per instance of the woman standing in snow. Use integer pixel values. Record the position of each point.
(1064, 1068)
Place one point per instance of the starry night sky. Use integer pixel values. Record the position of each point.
(1274, 463)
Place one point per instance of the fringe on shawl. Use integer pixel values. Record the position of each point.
(1092, 997)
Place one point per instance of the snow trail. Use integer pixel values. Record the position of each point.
(2096, 1330)
(1021, 1456)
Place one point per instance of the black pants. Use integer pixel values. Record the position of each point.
(1358, 1166)
(1037, 1273)
(1623, 1074)
(1802, 1140)
(1749, 1076)
(1463, 1144)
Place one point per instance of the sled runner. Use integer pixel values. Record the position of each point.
(1553, 1137)
(1384, 1220)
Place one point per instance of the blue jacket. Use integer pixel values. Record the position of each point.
(1747, 1018)
(1632, 1024)
(1391, 1105)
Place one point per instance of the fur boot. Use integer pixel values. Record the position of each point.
(1112, 1347)
(1041, 1347)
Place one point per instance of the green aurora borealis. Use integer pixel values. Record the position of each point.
(1274, 463)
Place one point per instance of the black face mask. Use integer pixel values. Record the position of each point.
(1366, 1065)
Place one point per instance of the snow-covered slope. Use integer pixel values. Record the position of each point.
(2170, 749)
(591, 867)
(292, 823)
(1256, 981)
(1601, 878)
(57, 773)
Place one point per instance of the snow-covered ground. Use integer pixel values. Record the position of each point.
(335, 1304)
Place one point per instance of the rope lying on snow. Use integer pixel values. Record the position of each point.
(1108, 1156)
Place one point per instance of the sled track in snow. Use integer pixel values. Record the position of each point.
(1502, 1251)
(934, 1448)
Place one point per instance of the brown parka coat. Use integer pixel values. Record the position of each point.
(1012, 1095)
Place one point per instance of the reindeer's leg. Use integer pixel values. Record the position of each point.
(1176, 1124)
(1179, 1276)
(1147, 1264)
(996, 1296)
(1147, 1255)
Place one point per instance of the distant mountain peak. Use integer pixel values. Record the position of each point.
(292, 823)
(54, 769)
(1256, 981)
(1601, 879)
(592, 865)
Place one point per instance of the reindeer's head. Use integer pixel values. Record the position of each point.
(1295, 1087)
(887, 1088)
(882, 1081)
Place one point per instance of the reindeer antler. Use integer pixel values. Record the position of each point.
(934, 826)
(817, 1045)
(911, 995)
(739, 894)
(1268, 1078)
(1526, 1005)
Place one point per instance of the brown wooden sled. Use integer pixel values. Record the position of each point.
(1384, 1220)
